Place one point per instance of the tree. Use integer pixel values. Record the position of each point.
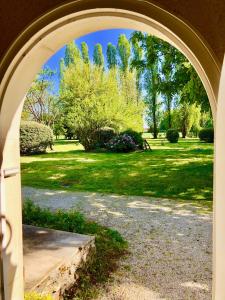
(137, 57)
(61, 67)
(148, 64)
(189, 85)
(128, 86)
(168, 86)
(124, 52)
(187, 117)
(98, 57)
(206, 120)
(72, 54)
(85, 52)
(92, 100)
(41, 105)
(152, 100)
(111, 56)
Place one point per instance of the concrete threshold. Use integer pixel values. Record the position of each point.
(52, 259)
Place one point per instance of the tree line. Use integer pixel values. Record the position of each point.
(142, 77)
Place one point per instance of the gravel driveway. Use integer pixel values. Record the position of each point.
(170, 243)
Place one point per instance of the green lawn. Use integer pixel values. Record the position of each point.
(178, 171)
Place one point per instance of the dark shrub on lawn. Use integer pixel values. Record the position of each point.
(34, 137)
(207, 135)
(137, 137)
(172, 135)
(121, 143)
(104, 135)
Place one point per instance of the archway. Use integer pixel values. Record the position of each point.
(35, 46)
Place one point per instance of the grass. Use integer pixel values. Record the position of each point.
(110, 246)
(177, 171)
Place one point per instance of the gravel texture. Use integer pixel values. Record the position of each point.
(170, 243)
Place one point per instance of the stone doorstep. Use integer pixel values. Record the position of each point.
(52, 259)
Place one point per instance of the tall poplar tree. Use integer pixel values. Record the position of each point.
(149, 66)
(137, 52)
(72, 54)
(111, 56)
(171, 57)
(85, 52)
(98, 57)
(124, 52)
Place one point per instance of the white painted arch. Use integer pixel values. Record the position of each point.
(59, 27)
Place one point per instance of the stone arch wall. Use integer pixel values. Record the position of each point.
(34, 46)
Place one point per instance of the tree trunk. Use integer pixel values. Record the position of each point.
(169, 114)
(184, 131)
(155, 129)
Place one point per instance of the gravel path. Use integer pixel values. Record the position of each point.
(170, 243)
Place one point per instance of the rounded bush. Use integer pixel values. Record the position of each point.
(34, 138)
(137, 138)
(172, 135)
(121, 143)
(104, 135)
(206, 135)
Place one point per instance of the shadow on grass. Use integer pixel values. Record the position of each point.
(184, 174)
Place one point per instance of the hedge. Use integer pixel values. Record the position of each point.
(34, 138)
(206, 135)
(172, 135)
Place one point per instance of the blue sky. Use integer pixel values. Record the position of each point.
(103, 37)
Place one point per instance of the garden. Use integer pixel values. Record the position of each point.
(131, 126)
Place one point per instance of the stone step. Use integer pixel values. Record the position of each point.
(52, 259)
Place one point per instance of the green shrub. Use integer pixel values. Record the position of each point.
(207, 135)
(121, 143)
(110, 246)
(136, 136)
(36, 296)
(172, 135)
(104, 135)
(34, 137)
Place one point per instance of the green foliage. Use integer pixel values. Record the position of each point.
(146, 76)
(110, 246)
(136, 137)
(136, 59)
(34, 137)
(148, 64)
(72, 54)
(61, 67)
(36, 296)
(190, 87)
(111, 56)
(85, 53)
(206, 120)
(167, 73)
(185, 170)
(187, 117)
(92, 99)
(172, 135)
(41, 105)
(98, 56)
(58, 128)
(207, 135)
(69, 130)
(124, 52)
(121, 143)
(104, 135)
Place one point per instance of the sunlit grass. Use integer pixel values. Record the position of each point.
(178, 171)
